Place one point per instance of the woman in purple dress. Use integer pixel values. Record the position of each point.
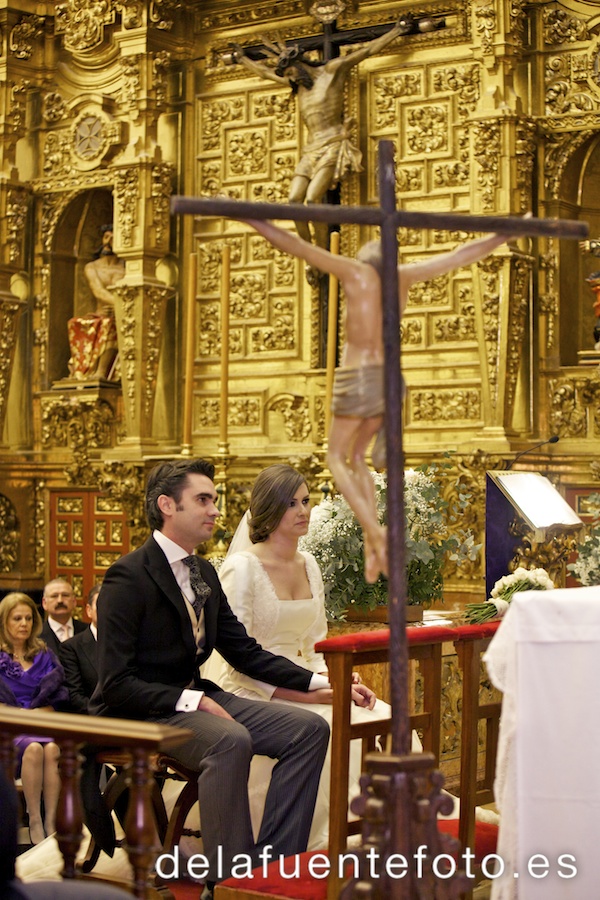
(31, 677)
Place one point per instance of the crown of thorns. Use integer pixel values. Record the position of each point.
(287, 55)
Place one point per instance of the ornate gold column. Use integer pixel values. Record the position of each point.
(20, 35)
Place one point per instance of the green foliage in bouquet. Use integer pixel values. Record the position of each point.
(335, 539)
(586, 569)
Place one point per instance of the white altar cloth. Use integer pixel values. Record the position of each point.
(545, 658)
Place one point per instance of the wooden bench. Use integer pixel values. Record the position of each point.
(140, 742)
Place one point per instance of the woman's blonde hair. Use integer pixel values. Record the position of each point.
(33, 644)
(271, 496)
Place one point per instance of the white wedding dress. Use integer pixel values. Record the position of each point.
(289, 628)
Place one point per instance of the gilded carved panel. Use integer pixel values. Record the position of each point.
(425, 129)
(487, 146)
(574, 403)
(440, 405)
(460, 326)
(294, 411)
(83, 24)
(243, 412)
(490, 307)
(77, 424)
(561, 27)
(519, 308)
(9, 535)
(263, 302)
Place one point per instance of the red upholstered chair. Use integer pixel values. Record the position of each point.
(343, 654)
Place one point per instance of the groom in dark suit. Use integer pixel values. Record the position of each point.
(161, 612)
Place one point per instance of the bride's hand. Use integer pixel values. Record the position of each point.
(363, 696)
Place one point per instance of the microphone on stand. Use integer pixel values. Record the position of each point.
(551, 440)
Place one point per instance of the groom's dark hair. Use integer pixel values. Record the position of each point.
(170, 479)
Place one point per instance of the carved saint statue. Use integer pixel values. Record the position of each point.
(329, 154)
(93, 338)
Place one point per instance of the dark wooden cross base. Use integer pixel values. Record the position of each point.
(400, 801)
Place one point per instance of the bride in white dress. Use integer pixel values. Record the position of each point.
(277, 592)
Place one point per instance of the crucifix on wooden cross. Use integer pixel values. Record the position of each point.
(379, 302)
(329, 154)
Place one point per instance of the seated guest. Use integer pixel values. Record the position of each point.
(58, 601)
(161, 613)
(31, 677)
(78, 657)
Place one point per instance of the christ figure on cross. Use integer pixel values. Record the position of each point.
(329, 155)
(358, 390)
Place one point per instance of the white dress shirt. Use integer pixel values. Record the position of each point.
(62, 632)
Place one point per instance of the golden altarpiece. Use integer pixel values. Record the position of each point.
(109, 108)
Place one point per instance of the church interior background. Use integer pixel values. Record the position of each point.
(110, 108)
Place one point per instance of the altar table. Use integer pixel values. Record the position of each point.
(545, 658)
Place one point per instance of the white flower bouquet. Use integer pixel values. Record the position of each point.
(504, 590)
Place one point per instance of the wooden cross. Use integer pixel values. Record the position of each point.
(330, 41)
(389, 219)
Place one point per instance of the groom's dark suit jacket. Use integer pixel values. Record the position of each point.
(146, 653)
(146, 648)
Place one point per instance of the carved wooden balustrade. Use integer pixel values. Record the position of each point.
(140, 741)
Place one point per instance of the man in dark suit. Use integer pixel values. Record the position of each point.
(152, 638)
(78, 658)
(58, 601)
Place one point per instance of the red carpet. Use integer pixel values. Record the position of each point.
(185, 890)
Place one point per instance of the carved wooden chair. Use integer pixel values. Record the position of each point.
(170, 827)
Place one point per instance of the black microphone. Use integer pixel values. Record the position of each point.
(551, 440)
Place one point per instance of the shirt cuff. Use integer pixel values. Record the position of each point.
(318, 681)
(189, 700)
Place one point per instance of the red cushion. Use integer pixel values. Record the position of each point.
(303, 887)
(378, 640)
(475, 632)
(486, 836)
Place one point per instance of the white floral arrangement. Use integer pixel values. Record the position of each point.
(503, 592)
(433, 535)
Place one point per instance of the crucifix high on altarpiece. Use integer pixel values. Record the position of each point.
(403, 771)
(317, 74)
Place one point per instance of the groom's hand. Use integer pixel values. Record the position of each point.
(209, 706)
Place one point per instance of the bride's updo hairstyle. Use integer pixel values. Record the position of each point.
(273, 491)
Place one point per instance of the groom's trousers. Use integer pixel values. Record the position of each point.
(221, 753)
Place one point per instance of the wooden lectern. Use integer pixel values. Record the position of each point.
(534, 499)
